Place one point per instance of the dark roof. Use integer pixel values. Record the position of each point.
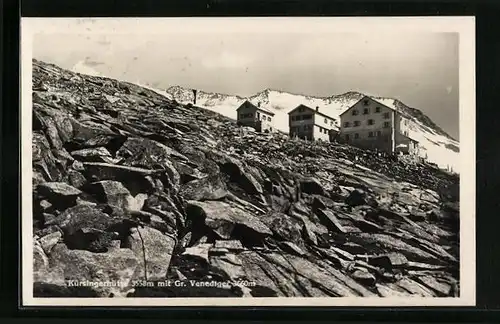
(314, 110)
(247, 103)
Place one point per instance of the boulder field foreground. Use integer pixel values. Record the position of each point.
(132, 190)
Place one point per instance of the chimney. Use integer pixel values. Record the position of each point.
(317, 108)
(258, 104)
(194, 94)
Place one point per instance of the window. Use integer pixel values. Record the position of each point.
(377, 109)
(379, 133)
(268, 118)
(346, 137)
(326, 121)
(370, 121)
(356, 123)
(301, 109)
(366, 111)
(387, 115)
(386, 124)
(354, 112)
(370, 134)
(365, 102)
(356, 136)
(331, 122)
(347, 124)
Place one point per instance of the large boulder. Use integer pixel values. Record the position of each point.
(328, 218)
(58, 193)
(285, 227)
(356, 198)
(211, 187)
(86, 227)
(93, 154)
(146, 153)
(134, 178)
(106, 274)
(227, 264)
(311, 186)
(153, 249)
(227, 221)
(115, 194)
(237, 173)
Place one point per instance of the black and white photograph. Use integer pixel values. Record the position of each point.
(248, 161)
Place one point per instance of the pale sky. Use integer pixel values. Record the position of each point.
(418, 68)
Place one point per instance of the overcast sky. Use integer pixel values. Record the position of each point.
(420, 69)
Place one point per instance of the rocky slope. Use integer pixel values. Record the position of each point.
(133, 190)
(439, 147)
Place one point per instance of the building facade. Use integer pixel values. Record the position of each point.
(254, 116)
(311, 124)
(370, 124)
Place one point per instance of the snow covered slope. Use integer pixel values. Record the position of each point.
(438, 146)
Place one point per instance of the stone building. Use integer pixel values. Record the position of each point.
(373, 125)
(311, 124)
(255, 116)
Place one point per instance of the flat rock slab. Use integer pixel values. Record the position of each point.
(198, 251)
(219, 214)
(230, 245)
(329, 219)
(55, 190)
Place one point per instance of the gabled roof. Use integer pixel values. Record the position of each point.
(364, 98)
(247, 103)
(313, 110)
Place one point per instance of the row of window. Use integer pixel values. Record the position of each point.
(302, 117)
(297, 129)
(309, 117)
(326, 121)
(323, 130)
(357, 123)
(366, 111)
(251, 115)
(370, 135)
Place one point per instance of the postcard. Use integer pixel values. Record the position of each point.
(285, 161)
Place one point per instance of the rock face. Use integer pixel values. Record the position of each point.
(131, 187)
